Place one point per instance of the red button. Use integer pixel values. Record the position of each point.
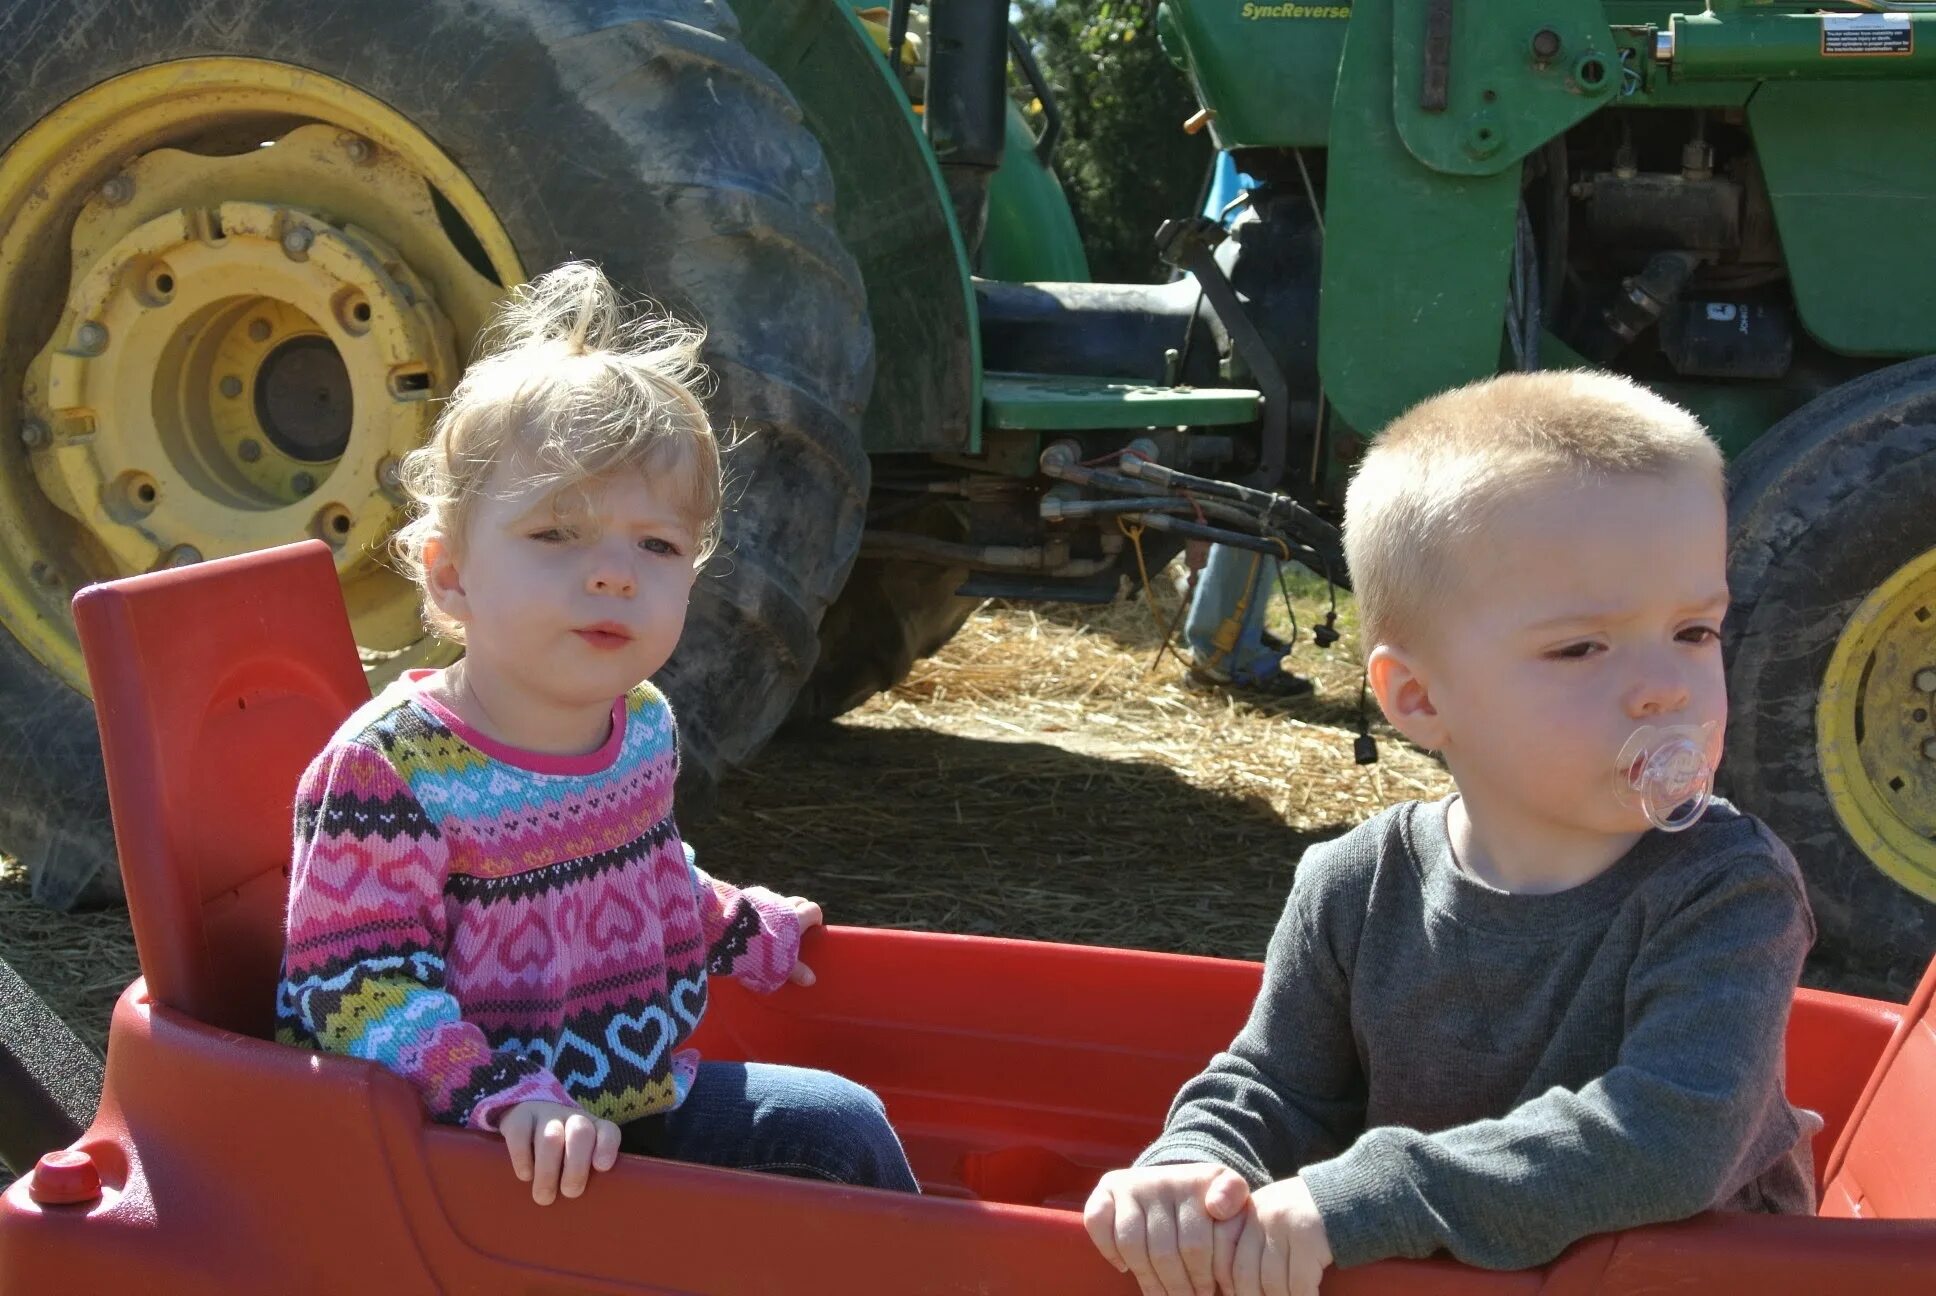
(65, 1179)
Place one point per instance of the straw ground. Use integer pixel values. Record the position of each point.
(1036, 779)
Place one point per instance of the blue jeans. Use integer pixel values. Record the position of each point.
(1222, 584)
(781, 1119)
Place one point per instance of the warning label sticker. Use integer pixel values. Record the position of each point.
(1870, 33)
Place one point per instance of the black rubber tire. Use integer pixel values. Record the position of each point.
(1824, 507)
(891, 615)
(50, 1082)
(641, 135)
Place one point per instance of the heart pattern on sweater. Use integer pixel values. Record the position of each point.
(528, 945)
(689, 1000)
(615, 923)
(640, 1038)
(335, 868)
(596, 1065)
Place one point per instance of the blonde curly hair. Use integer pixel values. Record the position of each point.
(571, 385)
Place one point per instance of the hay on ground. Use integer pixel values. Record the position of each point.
(1036, 778)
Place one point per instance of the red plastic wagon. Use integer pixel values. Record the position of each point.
(1017, 1072)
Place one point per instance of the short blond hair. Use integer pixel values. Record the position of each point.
(572, 384)
(1433, 477)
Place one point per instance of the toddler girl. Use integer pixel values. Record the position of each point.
(489, 894)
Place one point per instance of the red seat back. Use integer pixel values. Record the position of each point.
(1884, 1165)
(214, 686)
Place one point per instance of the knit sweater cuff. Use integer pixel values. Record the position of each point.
(537, 1085)
(1363, 1203)
(771, 957)
(1184, 1150)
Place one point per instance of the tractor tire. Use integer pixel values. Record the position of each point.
(641, 135)
(1830, 511)
(891, 615)
(50, 1082)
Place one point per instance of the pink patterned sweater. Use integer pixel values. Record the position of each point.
(497, 926)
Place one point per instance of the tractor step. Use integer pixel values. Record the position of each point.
(1066, 403)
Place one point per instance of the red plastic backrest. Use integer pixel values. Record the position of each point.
(1884, 1165)
(214, 686)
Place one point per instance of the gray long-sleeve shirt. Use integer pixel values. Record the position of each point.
(1450, 1066)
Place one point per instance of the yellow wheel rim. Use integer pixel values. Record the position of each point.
(234, 290)
(1876, 726)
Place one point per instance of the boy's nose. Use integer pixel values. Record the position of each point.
(1662, 694)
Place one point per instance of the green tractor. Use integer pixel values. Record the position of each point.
(244, 248)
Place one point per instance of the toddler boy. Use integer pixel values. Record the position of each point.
(1552, 1004)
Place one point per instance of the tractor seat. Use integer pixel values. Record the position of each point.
(1881, 1167)
(214, 686)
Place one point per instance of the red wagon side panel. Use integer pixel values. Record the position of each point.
(270, 1168)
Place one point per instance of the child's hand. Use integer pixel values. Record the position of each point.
(555, 1147)
(809, 915)
(1160, 1222)
(1283, 1249)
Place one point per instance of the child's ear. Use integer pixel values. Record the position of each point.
(1405, 696)
(443, 582)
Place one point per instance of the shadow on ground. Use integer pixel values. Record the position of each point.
(916, 828)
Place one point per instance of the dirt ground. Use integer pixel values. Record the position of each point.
(1036, 779)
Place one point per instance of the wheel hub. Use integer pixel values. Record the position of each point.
(226, 379)
(1876, 726)
(240, 331)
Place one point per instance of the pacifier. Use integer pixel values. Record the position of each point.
(1668, 772)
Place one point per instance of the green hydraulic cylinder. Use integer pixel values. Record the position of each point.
(1734, 44)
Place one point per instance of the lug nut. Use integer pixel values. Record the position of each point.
(359, 149)
(1926, 680)
(181, 556)
(118, 191)
(302, 483)
(250, 450)
(298, 240)
(259, 330)
(34, 434)
(1546, 44)
(231, 386)
(91, 337)
(389, 479)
